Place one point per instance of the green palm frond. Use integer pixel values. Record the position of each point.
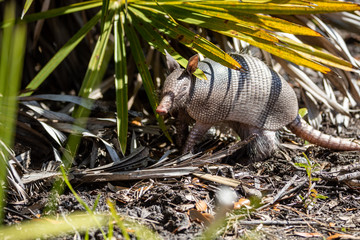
(160, 22)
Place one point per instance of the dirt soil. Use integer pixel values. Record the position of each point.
(278, 199)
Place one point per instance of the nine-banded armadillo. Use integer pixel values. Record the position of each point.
(255, 101)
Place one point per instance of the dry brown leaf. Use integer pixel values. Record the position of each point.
(308, 235)
(275, 208)
(242, 202)
(201, 206)
(136, 122)
(341, 236)
(197, 216)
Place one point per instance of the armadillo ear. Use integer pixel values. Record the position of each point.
(171, 62)
(192, 64)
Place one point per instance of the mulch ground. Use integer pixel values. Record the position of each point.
(273, 199)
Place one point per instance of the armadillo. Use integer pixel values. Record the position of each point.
(255, 101)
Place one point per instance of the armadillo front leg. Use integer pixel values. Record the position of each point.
(183, 120)
(195, 135)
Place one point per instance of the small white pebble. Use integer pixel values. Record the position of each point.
(226, 196)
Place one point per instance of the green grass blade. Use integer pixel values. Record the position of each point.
(15, 66)
(78, 198)
(121, 81)
(26, 7)
(104, 13)
(60, 56)
(49, 227)
(125, 225)
(117, 219)
(144, 71)
(5, 50)
(11, 62)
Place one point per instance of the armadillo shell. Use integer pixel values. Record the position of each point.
(257, 96)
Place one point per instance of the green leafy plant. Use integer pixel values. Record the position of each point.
(313, 194)
(309, 167)
(12, 51)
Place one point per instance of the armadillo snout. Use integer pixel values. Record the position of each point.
(161, 110)
(165, 105)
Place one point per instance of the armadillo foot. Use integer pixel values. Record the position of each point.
(195, 135)
(264, 144)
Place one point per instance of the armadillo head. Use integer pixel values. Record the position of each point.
(176, 90)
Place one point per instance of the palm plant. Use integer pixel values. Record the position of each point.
(259, 23)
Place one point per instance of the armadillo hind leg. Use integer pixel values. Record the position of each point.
(264, 144)
(196, 133)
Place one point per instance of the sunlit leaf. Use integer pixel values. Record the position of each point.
(158, 42)
(52, 226)
(280, 7)
(26, 7)
(121, 81)
(185, 36)
(256, 38)
(252, 21)
(218, 24)
(104, 12)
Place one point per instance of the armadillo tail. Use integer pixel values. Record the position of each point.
(306, 132)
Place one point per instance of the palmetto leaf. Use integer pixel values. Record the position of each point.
(26, 7)
(121, 80)
(258, 30)
(184, 35)
(255, 36)
(273, 7)
(252, 21)
(157, 41)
